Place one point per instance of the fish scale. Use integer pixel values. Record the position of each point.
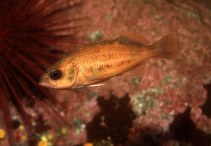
(111, 67)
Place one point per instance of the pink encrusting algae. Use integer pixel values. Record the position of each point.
(169, 106)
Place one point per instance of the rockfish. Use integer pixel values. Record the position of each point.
(92, 64)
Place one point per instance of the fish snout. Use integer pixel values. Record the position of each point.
(43, 81)
(46, 84)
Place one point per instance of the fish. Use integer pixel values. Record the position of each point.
(93, 64)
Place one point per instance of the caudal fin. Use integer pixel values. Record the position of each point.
(166, 47)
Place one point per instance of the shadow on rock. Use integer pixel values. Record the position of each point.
(113, 121)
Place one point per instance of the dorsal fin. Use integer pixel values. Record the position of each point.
(132, 38)
(122, 40)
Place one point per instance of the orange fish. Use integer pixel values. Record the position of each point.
(92, 64)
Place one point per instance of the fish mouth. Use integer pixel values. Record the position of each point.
(46, 84)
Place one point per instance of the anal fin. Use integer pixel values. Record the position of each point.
(137, 71)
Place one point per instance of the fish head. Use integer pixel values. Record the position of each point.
(59, 76)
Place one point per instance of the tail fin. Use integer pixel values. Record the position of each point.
(166, 47)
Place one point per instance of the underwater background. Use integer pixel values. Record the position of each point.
(169, 106)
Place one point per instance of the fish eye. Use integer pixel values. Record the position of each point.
(55, 74)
